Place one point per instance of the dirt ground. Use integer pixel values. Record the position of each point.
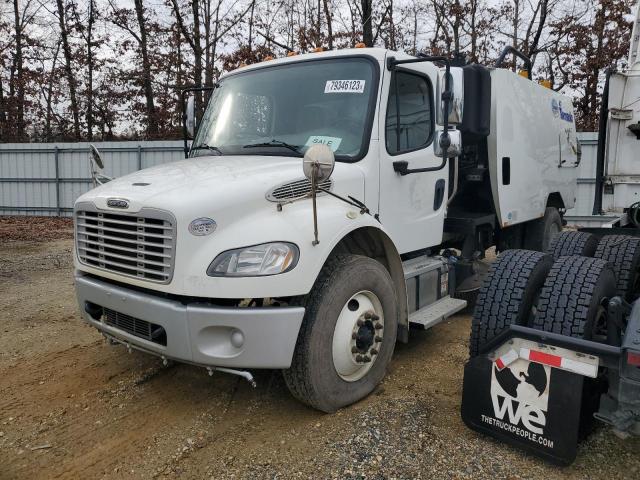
(72, 406)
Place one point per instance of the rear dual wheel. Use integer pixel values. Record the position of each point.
(573, 243)
(509, 295)
(623, 253)
(568, 296)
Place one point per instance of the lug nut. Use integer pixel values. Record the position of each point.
(354, 336)
(354, 350)
(378, 326)
(378, 339)
(366, 359)
(375, 317)
(359, 358)
(367, 315)
(374, 351)
(360, 322)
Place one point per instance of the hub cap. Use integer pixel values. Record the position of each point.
(358, 335)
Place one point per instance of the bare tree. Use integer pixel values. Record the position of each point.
(68, 58)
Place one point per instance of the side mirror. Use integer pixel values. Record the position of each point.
(96, 156)
(318, 163)
(191, 117)
(452, 138)
(456, 87)
(96, 165)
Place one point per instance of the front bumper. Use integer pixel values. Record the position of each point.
(197, 332)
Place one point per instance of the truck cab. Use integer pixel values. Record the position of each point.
(234, 259)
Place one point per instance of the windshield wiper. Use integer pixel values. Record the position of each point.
(204, 146)
(274, 143)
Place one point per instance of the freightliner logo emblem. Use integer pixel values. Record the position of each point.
(117, 203)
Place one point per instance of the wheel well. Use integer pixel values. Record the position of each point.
(374, 243)
(555, 200)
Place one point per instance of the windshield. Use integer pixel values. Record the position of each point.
(284, 110)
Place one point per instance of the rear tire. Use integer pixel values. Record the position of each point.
(538, 233)
(571, 300)
(573, 243)
(623, 253)
(509, 295)
(325, 371)
(571, 303)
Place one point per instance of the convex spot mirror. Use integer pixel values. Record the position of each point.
(318, 161)
(456, 86)
(190, 114)
(453, 138)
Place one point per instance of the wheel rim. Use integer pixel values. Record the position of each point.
(358, 336)
(600, 323)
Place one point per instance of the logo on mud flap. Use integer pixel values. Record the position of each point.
(520, 400)
(117, 203)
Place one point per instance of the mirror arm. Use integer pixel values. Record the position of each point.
(184, 93)
(402, 166)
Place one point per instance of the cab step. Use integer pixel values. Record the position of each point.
(437, 312)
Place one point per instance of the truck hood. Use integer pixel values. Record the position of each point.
(213, 181)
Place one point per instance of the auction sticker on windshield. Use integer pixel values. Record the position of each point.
(344, 86)
(332, 142)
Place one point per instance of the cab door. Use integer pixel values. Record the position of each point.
(412, 207)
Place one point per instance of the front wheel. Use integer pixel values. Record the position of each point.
(347, 336)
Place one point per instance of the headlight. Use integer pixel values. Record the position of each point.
(259, 260)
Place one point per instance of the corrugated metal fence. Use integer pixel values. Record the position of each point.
(45, 179)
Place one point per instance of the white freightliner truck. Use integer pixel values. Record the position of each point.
(555, 339)
(329, 202)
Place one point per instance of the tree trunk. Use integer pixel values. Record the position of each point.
(47, 124)
(152, 121)
(90, 74)
(367, 28)
(197, 53)
(70, 78)
(3, 115)
(327, 15)
(19, 77)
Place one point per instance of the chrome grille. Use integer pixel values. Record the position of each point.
(135, 326)
(296, 189)
(140, 245)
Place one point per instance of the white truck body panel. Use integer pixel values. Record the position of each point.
(231, 190)
(622, 170)
(535, 153)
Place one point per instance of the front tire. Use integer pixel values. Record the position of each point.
(347, 336)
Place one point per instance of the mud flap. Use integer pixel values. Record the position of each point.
(526, 404)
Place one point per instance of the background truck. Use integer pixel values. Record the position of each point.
(328, 203)
(555, 339)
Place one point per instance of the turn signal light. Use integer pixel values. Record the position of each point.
(360, 45)
(318, 50)
(267, 58)
(292, 54)
(633, 359)
(545, 83)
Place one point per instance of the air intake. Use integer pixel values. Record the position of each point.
(294, 190)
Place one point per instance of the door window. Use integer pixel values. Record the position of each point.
(409, 120)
